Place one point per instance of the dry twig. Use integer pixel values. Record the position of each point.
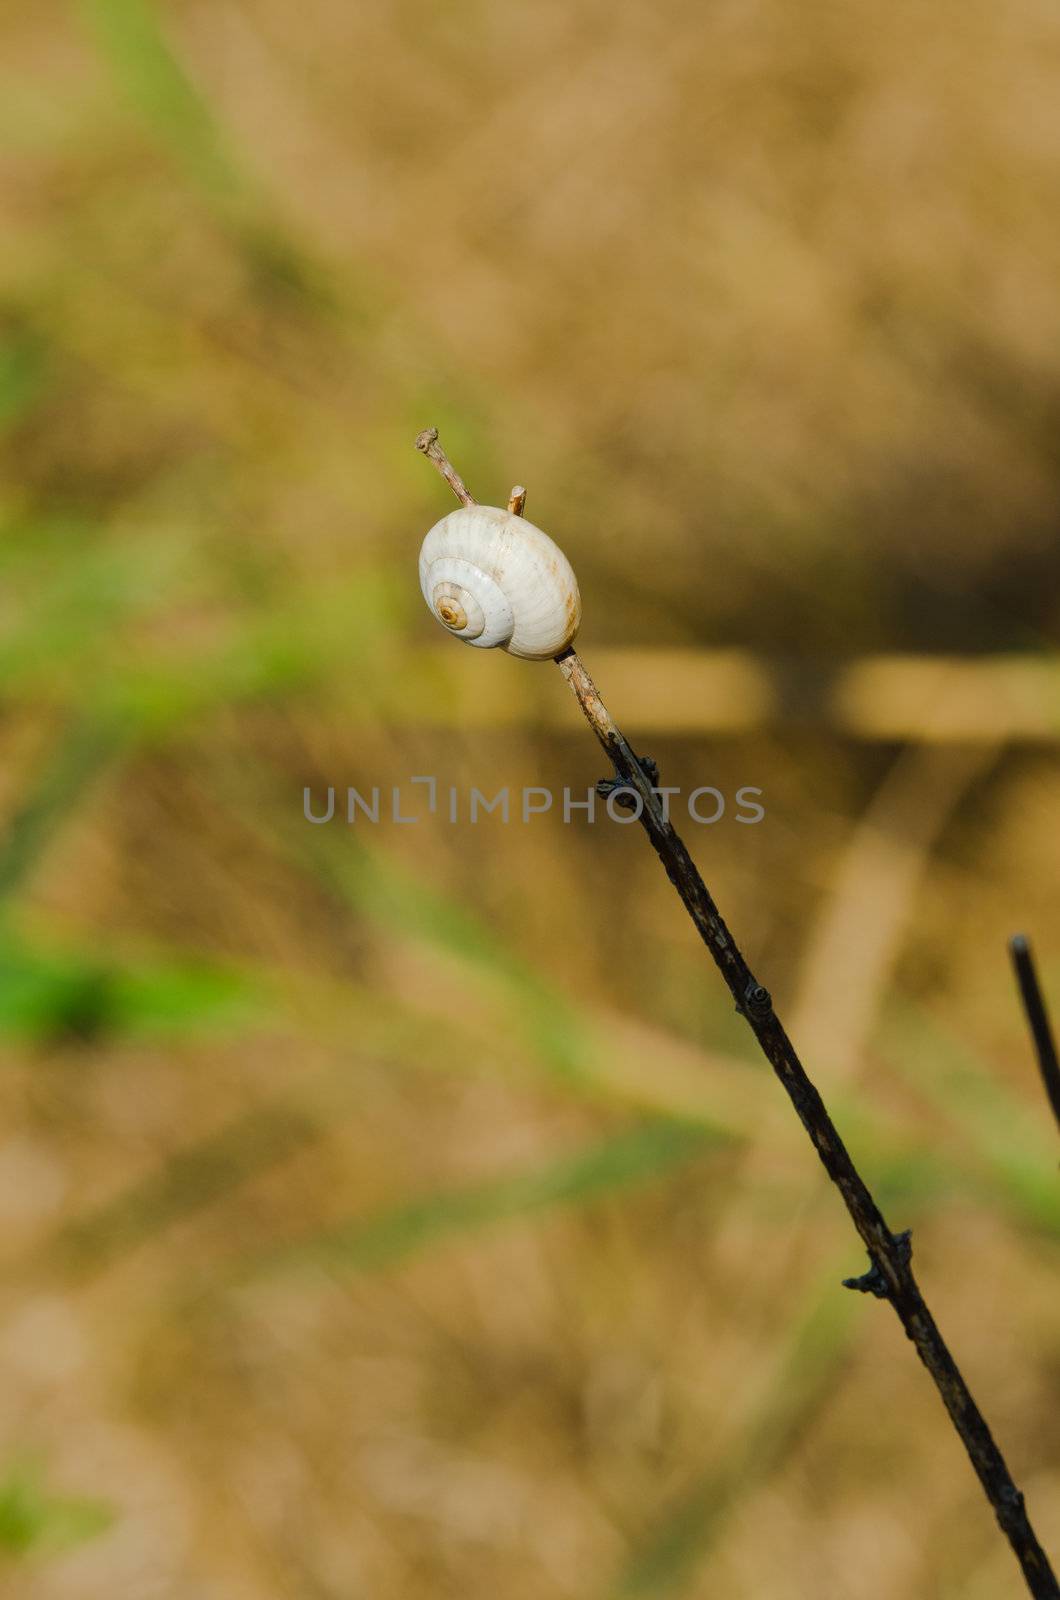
(890, 1275)
(1037, 1019)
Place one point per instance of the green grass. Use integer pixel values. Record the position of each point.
(36, 1520)
(392, 1235)
(52, 991)
(25, 373)
(1010, 1142)
(131, 40)
(805, 1370)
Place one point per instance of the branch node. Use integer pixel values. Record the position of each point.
(873, 1282)
(757, 1000)
(625, 795)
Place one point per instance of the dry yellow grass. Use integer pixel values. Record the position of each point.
(396, 1212)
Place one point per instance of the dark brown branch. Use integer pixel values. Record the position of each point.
(890, 1275)
(1037, 1019)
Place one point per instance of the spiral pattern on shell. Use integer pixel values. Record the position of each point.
(494, 580)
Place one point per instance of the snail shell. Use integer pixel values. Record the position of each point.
(493, 579)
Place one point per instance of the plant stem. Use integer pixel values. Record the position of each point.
(890, 1276)
(1037, 1019)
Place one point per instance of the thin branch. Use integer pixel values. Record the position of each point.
(890, 1274)
(1037, 1019)
(427, 441)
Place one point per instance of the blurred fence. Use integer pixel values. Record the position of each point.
(886, 697)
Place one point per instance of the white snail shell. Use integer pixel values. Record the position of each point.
(493, 579)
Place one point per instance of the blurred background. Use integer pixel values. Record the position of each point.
(400, 1211)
